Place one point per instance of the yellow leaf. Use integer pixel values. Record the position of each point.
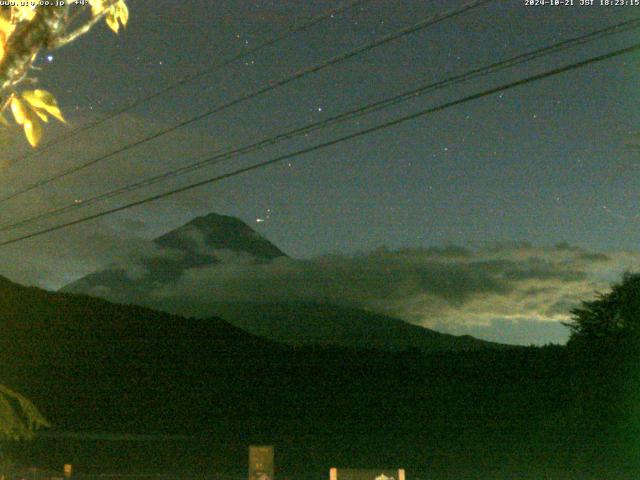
(41, 114)
(112, 20)
(32, 129)
(19, 110)
(122, 12)
(97, 6)
(24, 12)
(44, 96)
(118, 14)
(43, 100)
(6, 27)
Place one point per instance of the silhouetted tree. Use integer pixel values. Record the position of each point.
(612, 320)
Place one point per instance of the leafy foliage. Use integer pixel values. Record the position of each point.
(26, 31)
(613, 319)
(116, 12)
(19, 418)
(32, 107)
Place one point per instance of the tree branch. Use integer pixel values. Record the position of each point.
(70, 37)
(25, 42)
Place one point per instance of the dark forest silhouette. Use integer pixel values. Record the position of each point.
(612, 320)
(92, 365)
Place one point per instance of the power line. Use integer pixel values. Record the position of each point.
(196, 75)
(364, 110)
(330, 143)
(269, 87)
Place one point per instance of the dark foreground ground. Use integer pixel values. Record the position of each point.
(534, 413)
(93, 366)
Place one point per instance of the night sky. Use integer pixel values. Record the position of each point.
(523, 176)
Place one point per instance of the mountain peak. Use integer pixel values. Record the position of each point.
(215, 218)
(219, 232)
(196, 244)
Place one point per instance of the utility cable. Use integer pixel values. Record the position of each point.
(194, 76)
(320, 146)
(269, 87)
(355, 113)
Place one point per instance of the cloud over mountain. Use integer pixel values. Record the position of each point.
(504, 288)
(511, 292)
